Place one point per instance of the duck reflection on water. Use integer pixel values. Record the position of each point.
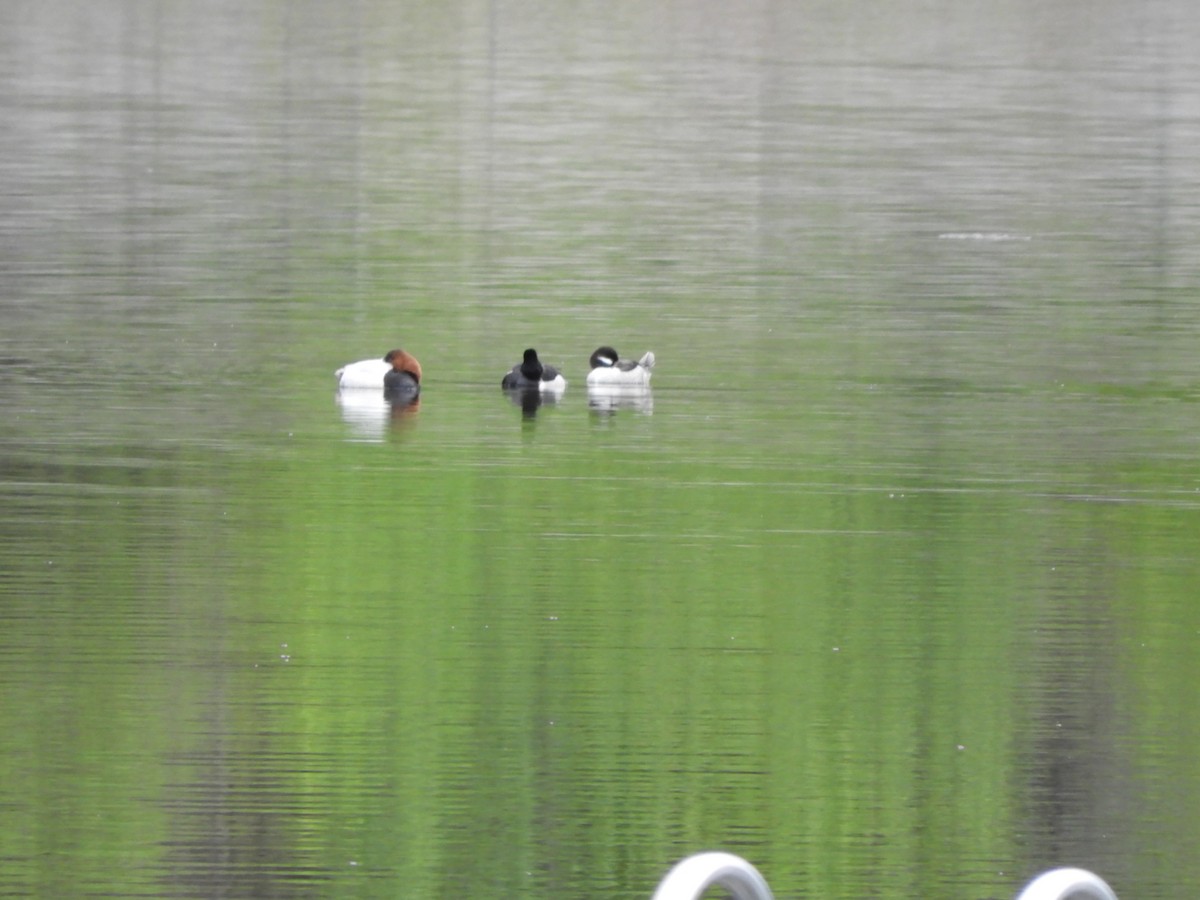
(607, 399)
(370, 413)
(530, 399)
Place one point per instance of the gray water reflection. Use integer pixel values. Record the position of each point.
(610, 399)
(888, 585)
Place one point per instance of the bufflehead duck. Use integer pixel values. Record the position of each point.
(373, 373)
(609, 369)
(530, 373)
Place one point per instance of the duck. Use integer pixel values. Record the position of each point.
(398, 373)
(402, 386)
(609, 369)
(530, 373)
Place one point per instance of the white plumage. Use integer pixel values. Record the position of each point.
(609, 369)
(366, 373)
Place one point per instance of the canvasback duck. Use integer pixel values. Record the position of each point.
(398, 373)
(530, 374)
(610, 369)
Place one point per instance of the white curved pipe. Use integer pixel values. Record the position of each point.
(696, 874)
(1067, 884)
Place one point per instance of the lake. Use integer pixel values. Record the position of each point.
(887, 584)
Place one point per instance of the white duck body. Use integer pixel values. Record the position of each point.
(366, 373)
(609, 369)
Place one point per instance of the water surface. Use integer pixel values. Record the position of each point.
(888, 584)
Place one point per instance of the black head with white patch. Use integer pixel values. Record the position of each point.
(604, 357)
